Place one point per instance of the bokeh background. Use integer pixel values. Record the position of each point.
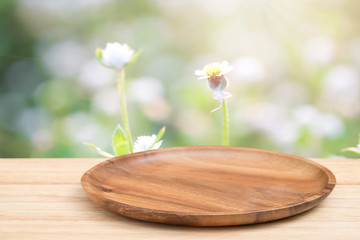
(295, 85)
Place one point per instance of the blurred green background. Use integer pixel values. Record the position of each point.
(295, 85)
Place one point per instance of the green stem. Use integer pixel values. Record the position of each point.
(121, 89)
(225, 124)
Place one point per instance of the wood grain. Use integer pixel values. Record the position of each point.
(42, 199)
(208, 186)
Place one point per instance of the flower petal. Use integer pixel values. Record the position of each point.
(143, 143)
(116, 55)
(203, 77)
(226, 70)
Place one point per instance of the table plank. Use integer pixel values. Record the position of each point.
(66, 211)
(39, 171)
(49, 203)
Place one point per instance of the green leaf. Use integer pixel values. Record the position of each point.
(158, 137)
(119, 142)
(99, 150)
(135, 57)
(352, 150)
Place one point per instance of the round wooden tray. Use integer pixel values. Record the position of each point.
(208, 185)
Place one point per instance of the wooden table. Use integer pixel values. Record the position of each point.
(43, 199)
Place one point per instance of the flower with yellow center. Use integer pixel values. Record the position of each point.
(217, 81)
(214, 69)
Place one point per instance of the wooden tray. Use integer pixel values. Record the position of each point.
(208, 185)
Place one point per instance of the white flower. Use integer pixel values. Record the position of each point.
(143, 143)
(217, 81)
(116, 55)
(216, 68)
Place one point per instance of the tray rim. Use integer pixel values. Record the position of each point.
(312, 201)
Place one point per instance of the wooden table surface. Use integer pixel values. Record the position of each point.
(43, 199)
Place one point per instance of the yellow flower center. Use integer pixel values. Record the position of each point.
(212, 69)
